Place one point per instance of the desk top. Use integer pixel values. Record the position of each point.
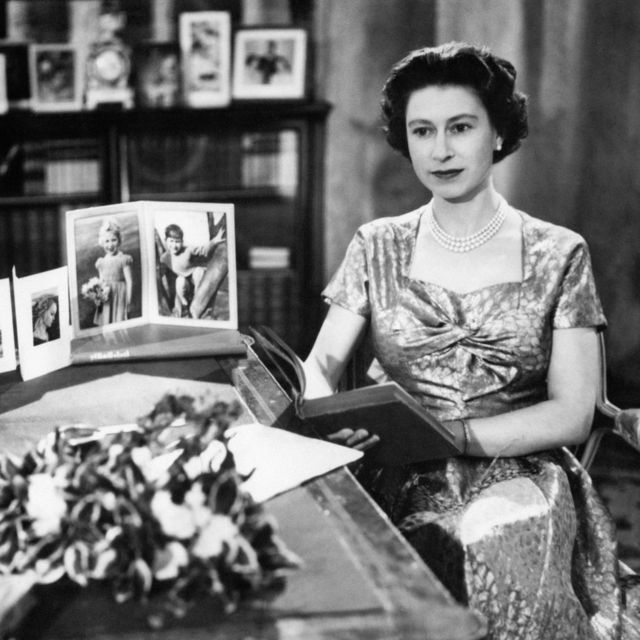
(360, 578)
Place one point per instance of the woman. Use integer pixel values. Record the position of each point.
(43, 311)
(488, 317)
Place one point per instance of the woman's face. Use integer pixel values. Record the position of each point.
(50, 315)
(451, 141)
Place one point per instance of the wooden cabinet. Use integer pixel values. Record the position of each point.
(264, 157)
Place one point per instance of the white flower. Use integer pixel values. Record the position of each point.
(168, 561)
(45, 504)
(176, 520)
(196, 500)
(210, 542)
(210, 459)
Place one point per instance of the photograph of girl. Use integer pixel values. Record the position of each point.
(108, 269)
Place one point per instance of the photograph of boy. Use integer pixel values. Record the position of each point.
(108, 269)
(192, 267)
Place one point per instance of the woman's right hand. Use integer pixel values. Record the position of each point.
(359, 439)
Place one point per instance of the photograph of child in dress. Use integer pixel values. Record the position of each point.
(192, 265)
(44, 313)
(108, 269)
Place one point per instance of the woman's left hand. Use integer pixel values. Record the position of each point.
(359, 439)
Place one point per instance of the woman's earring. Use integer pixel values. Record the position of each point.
(499, 145)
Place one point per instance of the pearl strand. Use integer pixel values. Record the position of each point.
(467, 243)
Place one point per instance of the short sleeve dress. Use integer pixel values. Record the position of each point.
(111, 272)
(525, 540)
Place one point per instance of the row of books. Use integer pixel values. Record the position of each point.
(52, 167)
(199, 162)
(271, 297)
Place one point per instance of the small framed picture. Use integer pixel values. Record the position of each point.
(269, 63)
(4, 100)
(7, 342)
(54, 70)
(205, 45)
(157, 74)
(42, 321)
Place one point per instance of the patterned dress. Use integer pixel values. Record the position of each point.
(524, 540)
(111, 271)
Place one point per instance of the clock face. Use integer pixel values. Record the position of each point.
(110, 65)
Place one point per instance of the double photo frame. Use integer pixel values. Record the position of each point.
(152, 262)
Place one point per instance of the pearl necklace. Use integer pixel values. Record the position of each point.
(467, 243)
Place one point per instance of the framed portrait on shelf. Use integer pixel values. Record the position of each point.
(157, 74)
(269, 64)
(4, 101)
(7, 341)
(42, 321)
(56, 80)
(205, 47)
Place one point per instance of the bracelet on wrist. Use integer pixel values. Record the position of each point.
(467, 436)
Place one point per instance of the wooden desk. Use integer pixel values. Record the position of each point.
(380, 588)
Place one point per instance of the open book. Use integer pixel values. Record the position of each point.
(408, 432)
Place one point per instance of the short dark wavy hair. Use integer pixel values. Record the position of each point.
(457, 63)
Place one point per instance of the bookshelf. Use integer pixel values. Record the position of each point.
(264, 157)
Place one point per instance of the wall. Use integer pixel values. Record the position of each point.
(577, 168)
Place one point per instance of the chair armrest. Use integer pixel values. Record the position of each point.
(627, 426)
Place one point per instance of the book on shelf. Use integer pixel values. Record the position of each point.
(53, 167)
(408, 432)
(270, 159)
(269, 257)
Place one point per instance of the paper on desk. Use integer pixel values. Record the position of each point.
(282, 460)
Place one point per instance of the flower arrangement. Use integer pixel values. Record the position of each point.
(96, 290)
(120, 510)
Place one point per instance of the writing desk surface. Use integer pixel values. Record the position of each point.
(360, 578)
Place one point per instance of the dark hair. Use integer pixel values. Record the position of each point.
(173, 230)
(457, 63)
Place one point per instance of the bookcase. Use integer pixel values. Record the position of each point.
(264, 157)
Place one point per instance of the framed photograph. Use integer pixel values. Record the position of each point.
(269, 64)
(106, 258)
(195, 264)
(18, 86)
(7, 342)
(56, 84)
(4, 101)
(157, 74)
(205, 46)
(143, 263)
(42, 321)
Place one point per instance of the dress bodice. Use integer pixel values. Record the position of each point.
(111, 267)
(467, 354)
